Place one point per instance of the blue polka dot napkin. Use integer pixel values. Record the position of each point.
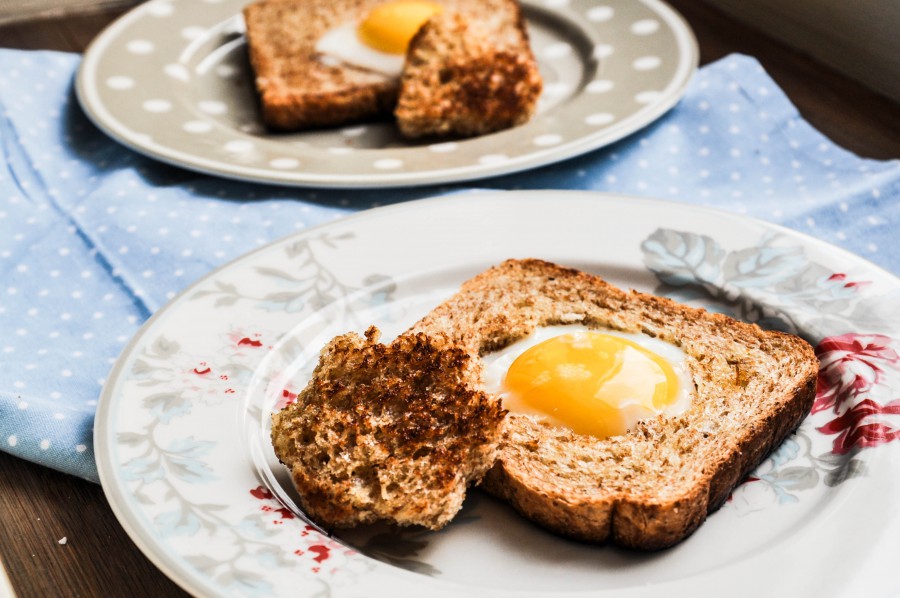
(94, 237)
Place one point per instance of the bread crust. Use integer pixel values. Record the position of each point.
(653, 486)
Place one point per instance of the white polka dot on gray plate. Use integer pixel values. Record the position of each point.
(599, 118)
(646, 97)
(599, 14)
(493, 159)
(192, 33)
(213, 107)
(388, 163)
(602, 51)
(120, 83)
(444, 148)
(647, 63)
(159, 9)
(140, 46)
(197, 126)
(284, 163)
(645, 27)
(157, 106)
(600, 86)
(177, 71)
(549, 139)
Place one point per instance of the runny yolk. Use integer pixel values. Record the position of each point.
(591, 382)
(389, 27)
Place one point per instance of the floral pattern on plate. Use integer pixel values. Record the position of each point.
(777, 286)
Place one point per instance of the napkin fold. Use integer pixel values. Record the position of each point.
(94, 238)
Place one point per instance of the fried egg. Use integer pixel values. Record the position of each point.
(599, 382)
(378, 42)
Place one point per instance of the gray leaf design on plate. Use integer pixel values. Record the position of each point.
(763, 266)
(777, 286)
(311, 285)
(680, 258)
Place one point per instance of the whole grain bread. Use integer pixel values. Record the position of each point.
(388, 432)
(651, 487)
(468, 74)
(299, 90)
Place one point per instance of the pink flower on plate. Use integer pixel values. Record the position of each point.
(859, 381)
(863, 426)
(287, 398)
(851, 365)
(849, 284)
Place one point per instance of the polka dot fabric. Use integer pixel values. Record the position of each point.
(94, 238)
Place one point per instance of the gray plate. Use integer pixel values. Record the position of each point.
(170, 79)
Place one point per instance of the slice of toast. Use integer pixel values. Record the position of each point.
(468, 75)
(388, 432)
(651, 487)
(297, 90)
(300, 89)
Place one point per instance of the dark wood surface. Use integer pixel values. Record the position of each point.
(38, 506)
(851, 115)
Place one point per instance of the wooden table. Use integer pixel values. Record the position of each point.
(38, 506)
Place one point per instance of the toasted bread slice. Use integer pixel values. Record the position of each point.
(300, 89)
(297, 89)
(651, 487)
(388, 432)
(468, 75)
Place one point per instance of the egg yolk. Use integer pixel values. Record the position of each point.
(389, 27)
(591, 382)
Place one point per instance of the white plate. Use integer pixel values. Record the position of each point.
(182, 440)
(170, 79)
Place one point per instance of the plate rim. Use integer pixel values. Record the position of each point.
(104, 452)
(86, 91)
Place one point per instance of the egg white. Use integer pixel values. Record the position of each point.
(496, 365)
(342, 45)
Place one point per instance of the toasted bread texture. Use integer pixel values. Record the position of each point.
(388, 432)
(297, 90)
(468, 75)
(300, 89)
(651, 487)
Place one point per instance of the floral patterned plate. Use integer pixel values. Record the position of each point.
(182, 438)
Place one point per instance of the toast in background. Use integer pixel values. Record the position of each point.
(296, 89)
(468, 75)
(302, 87)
